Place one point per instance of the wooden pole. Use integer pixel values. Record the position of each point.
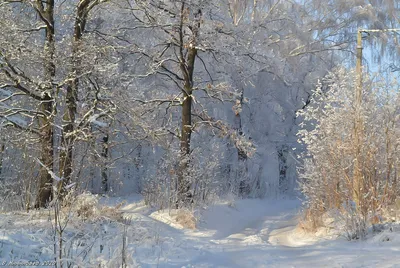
(359, 66)
(358, 127)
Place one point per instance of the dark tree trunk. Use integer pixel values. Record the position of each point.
(241, 174)
(69, 137)
(282, 158)
(187, 61)
(46, 157)
(46, 13)
(184, 196)
(186, 124)
(104, 169)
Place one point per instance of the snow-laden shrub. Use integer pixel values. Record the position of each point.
(355, 225)
(352, 151)
(86, 206)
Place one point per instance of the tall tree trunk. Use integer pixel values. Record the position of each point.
(47, 106)
(187, 69)
(104, 169)
(186, 132)
(69, 136)
(282, 159)
(241, 169)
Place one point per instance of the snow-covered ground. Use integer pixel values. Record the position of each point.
(244, 233)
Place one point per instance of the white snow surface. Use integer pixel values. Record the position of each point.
(244, 233)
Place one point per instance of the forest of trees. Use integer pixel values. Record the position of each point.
(186, 100)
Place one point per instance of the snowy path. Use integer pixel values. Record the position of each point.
(258, 233)
(252, 233)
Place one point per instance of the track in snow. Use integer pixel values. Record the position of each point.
(251, 233)
(263, 233)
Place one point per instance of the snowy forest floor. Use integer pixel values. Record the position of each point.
(244, 233)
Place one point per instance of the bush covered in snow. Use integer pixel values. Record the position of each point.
(86, 206)
(352, 159)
